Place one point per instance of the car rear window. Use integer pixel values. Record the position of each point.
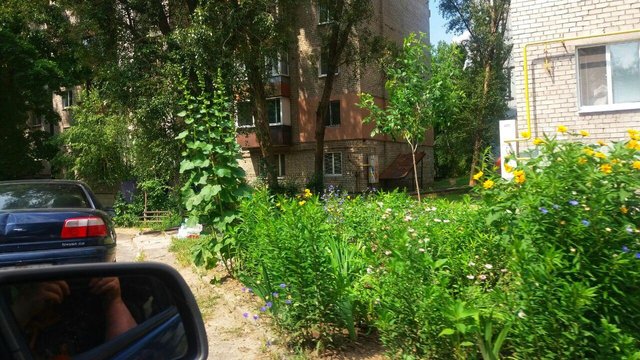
(41, 196)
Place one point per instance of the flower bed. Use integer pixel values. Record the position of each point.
(546, 265)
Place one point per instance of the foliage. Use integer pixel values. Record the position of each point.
(95, 145)
(571, 219)
(487, 54)
(214, 179)
(416, 100)
(35, 57)
(542, 266)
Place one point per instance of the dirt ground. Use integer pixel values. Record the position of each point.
(224, 306)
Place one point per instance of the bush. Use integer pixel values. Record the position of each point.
(546, 265)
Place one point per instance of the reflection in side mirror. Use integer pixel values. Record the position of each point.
(100, 311)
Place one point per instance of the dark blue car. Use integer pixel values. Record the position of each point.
(53, 222)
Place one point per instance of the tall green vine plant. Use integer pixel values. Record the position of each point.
(215, 182)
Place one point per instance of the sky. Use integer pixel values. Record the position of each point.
(438, 25)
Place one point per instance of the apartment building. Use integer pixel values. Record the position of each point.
(583, 66)
(353, 160)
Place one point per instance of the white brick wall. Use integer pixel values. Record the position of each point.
(553, 95)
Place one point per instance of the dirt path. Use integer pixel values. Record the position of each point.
(224, 306)
(231, 336)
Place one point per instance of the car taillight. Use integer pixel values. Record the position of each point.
(83, 227)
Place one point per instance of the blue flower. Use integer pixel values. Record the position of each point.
(544, 210)
(556, 206)
(282, 286)
(573, 203)
(269, 304)
(275, 294)
(625, 249)
(256, 317)
(585, 222)
(288, 302)
(245, 315)
(263, 309)
(638, 255)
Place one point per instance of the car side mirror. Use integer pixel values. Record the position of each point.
(99, 311)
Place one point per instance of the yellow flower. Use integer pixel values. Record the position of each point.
(519, 176)
(632, 144)
(588, 151)
(584, 133)
(488, 184)
(623, 209)
(301, 202)
(307, 193)
(538, 141)
(582, 160)
(508, 168)
(562, 129)
(615, 161)
(636, 165)
(605, 168)
(600, 155)
(634, 134)
(525, 134)
(478, 175)
(602, 143)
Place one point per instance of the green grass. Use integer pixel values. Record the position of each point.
(182, 248)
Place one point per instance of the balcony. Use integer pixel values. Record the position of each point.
(280, 136)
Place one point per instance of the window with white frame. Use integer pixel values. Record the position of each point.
(333, 114)
(609, 77)
(324, 15)
(274, 111)
(244, 113)
(279, 66)
(67, 98)
(279, 164)
(333, 163)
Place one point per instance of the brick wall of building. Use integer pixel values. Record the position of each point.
(553, 87)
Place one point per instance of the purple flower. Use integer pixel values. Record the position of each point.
(269, 304)
(573, 203)
(638, 255)
(544, 210)
(625, 249)
(556, 206)
(245, 315)
(256, 317)
(585, 222)
(275, 294)
(283, 285)
(288, 302)
(263, 309)
(244, 289)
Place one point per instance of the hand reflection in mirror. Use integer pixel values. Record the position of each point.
(39, 307)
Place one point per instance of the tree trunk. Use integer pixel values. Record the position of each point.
(477, 135)
(259, 102)
(415, 169)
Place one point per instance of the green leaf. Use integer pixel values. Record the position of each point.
(182, 113)
(447, 332)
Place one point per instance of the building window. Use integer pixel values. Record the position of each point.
(323, 66)
(274, 111)
(281, 165)
(609, 77)
(333, 164)
(244, 114)
(324, 15)
(333, 114)
(67, 98)
(279, 66)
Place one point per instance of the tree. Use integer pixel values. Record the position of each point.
(36, 57)
(346, 42)
(416, 100)
(488, 51)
